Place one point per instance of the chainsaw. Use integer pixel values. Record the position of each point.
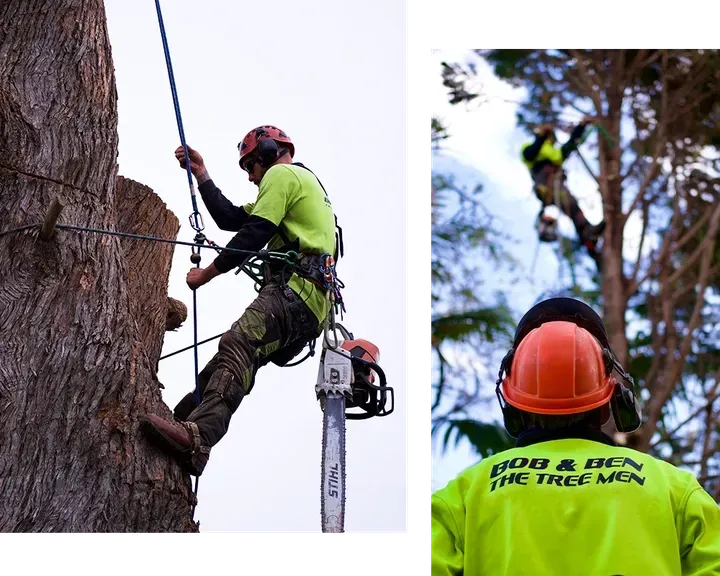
(350, 385)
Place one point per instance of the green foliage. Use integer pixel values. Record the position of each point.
(466, 319)
(486, 439)
(491, 324)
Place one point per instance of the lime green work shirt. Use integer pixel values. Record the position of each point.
(547, 153)
(574, 507)
(292, 198)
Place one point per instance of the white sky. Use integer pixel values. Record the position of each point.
(340, 98)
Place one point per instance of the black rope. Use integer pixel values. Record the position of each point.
(20, 229)
(262, 254)
(191, 346)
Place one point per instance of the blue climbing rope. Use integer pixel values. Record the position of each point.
(195, 219)
(176, 103)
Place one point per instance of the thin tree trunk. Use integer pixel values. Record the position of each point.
(612, 278)
(75, 374)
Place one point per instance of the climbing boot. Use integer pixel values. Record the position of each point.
(179, 439)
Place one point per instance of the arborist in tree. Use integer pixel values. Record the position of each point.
(545, 161)
(291, 213)
(567, 499)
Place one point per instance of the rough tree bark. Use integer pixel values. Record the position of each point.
(74, 373)
(140, 211)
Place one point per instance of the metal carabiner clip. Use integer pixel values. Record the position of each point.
(196, 222)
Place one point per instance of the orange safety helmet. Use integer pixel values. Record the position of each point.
(561, 363)
(558, 368)
(250, 143)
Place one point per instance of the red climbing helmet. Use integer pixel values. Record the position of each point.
(251, 140)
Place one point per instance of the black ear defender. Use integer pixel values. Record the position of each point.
(625, 407)
(512, 417)
(267, 151)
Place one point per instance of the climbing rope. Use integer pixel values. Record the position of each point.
(195, 218)
(600, 130)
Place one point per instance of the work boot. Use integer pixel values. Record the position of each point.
(190, 437)
(179, 439)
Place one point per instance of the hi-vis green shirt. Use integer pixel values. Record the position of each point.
(574, 507)
(291, 212)
(291, 197)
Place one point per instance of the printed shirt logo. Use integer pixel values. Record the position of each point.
(542, 471)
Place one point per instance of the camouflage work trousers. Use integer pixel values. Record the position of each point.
(545, 189)
(276, 320)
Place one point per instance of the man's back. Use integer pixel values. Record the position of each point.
(574, 507)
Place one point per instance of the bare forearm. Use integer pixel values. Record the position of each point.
(210, 272)
(202, 176)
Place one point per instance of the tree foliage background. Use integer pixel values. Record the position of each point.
(654, 159)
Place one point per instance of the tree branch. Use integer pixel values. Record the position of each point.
(714, 395)
(656, 264)
(652, 171)
(585, 76)
(636, 267)
(635, 164)
(695, 316)
(691, 81)
(692, 231)
(707, 448)
(635, 64)
(690, 287)
(51, 217)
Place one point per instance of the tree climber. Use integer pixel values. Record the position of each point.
(545, 161)
(291, 212)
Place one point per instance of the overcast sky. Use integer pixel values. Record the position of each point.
(307, 68)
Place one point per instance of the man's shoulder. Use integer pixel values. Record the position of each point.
(288, 173)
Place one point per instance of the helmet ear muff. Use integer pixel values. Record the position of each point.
(512, 417)
(267, 151)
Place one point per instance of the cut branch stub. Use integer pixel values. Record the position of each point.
(51, 217)
(176, 314)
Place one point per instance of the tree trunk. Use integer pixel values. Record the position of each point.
(75, 372)
(613, 280)
(140, 211)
